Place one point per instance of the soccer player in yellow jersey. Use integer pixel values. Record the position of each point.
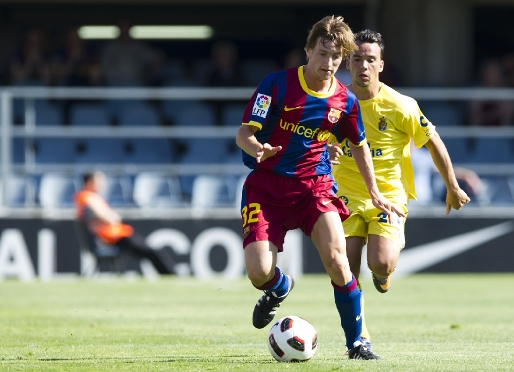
(391, 121)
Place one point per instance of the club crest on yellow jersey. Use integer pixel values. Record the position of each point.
(334, 115)
(382, 124)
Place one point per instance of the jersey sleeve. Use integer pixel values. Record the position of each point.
(261, 104)
(351, 125)
(416, 125)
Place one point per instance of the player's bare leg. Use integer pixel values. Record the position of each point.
(328, 237)
(261, 261)
(382, 257)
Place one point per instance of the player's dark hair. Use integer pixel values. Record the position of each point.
(370, 37)
(332, 29)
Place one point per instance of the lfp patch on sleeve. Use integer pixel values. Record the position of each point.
(261, 105)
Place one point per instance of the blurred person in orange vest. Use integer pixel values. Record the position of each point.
(105, 223)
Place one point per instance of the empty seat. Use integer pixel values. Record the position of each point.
(102, 150)
(212, 192)
(139, 114)
(56, 190)
(194, 114)
(239, 192)
(149, 150)
(55, 150)
(232, 115)
(89, 114)
(443, 113)
(205, 150)
(20, 191)
(254, 70)
(48, 114)
(118, 191)
(18, 150)
(458, 148)
(493, 150)
(156, 190)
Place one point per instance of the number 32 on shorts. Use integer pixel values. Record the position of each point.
(249, 213)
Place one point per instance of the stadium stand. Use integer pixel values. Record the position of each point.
(212, 192)
(139, 113)
(89, 114)
(55, 150)
(233, 114)
(443, 113)
(118, 191)
(156, 190)
(101, 150)
(149, 150)
(255, 69)
(20, 192)
(56, 190)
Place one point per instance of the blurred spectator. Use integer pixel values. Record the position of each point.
(73, 65)
(492, 113)
(226, 72)
(508, 66)
(30, 65)
(126, 61)
(295, 58)
(106, 224)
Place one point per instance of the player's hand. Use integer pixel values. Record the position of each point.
(334, 150)
(265, 151)
(456, 199)
(382, 203)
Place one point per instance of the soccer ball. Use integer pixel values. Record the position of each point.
(292, 339)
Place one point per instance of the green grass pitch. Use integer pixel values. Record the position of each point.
(425, 323)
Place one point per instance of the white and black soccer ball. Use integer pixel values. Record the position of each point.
(292, 339)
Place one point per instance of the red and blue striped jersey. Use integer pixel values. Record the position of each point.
(290, 115)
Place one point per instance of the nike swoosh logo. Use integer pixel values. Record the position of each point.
(423, 256)
(325, 202)
(291, 108)
(357, 317)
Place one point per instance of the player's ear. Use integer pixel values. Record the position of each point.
(381, 65)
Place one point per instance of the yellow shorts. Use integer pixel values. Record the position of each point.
(365, 219)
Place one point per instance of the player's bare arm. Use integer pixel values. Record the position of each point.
(365, 164)
(246, 140)
(455, 196)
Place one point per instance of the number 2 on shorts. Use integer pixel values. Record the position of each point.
(250, 217)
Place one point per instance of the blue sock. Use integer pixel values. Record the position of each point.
(278, 286)
(348, 303)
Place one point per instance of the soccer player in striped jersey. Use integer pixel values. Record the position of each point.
(391, 120)
(284, 136)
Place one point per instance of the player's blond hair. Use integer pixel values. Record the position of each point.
(332, 29)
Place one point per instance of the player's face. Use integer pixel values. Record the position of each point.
(365, 64)
(324, 60)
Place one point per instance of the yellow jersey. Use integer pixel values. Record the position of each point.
(390, 121)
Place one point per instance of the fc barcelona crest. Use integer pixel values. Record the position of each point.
(334, 115)
(382, 124)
